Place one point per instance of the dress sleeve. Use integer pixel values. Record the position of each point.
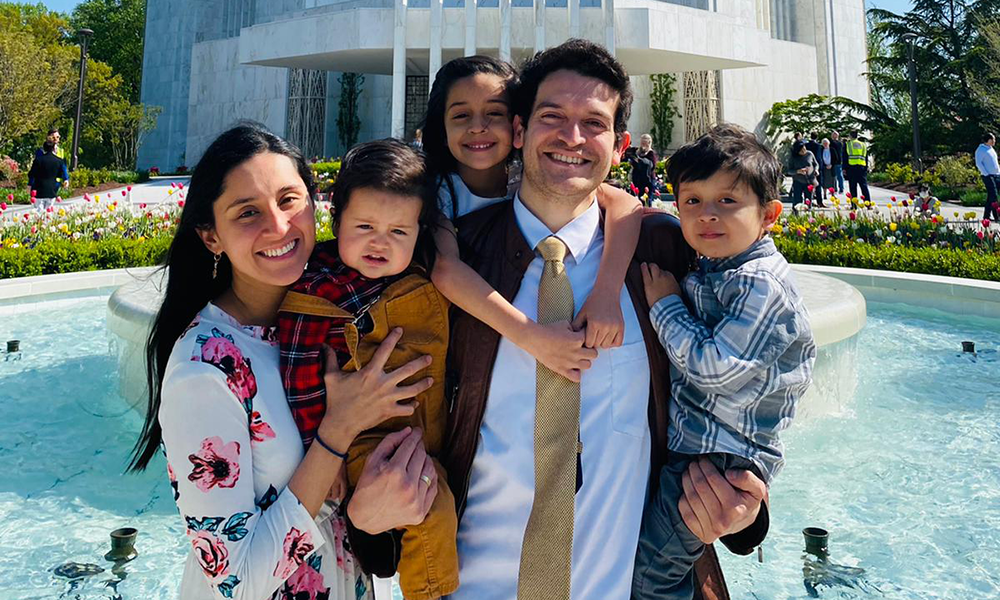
(759, 323)
(246, 548)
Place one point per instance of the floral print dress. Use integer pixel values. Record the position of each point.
(232, 447)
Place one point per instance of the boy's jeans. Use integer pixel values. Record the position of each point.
(664, 562)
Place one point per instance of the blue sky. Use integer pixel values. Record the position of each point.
(896, 6)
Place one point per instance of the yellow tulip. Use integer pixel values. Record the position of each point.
(892, 227)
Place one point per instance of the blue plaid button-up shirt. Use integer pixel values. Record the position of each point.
(741, 361)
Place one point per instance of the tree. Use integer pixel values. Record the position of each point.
(35, 85)
(949, 53)
(348, 121)
(663, 109)
(113, 125)
(118, 27)
(987, 86)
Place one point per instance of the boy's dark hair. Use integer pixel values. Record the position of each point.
(729, 148)
(988, 136)
(53, 130)
(392, 166)
(580, 56)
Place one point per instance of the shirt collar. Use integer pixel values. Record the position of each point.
(759, 249)
(578, 235)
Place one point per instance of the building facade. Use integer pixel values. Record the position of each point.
(210, 63)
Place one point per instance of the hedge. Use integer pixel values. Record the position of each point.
(67, 256)
(933, 261)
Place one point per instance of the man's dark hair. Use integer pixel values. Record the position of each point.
(53, 130)
(730, 148)
(584, 58)
(392, 166)
(813, 135)
(988, 136)
(48, 147)
(854, 133)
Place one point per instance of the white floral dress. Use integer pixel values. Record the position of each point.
(231, 448)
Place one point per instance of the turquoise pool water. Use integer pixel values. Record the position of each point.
(906, 477)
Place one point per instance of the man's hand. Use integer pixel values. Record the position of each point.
(713, 506)
(658, 283)
(560, 349)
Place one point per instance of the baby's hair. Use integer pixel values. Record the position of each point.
(391, 166)
(730, 148)
(435, 139)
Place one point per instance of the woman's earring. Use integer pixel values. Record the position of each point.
(215, 266)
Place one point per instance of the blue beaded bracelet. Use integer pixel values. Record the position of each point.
(340, 455)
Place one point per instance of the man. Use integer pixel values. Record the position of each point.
(550, 500)
(986, 162)
(45, 175)
(856, 153)
(644, 168)
(814, 146)
(837, 162)
(54, 138)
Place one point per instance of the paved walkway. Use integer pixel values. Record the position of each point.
(882, 196)
(153, 191)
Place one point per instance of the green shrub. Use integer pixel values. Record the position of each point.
(68, 256)
(897, 173)
(972, 198)
(957, 171)
(933, 261)
(21, 195)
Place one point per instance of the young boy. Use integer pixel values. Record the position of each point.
(354, 292)
(740, 347)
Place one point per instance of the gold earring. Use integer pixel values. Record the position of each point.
(215, 266)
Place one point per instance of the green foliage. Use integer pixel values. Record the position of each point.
(957, 171)
(972, 198)
(21, 196)
(83, 177)
(68, 256)
(663, 110)
(348, 120)
(325, 174)
(933, 261)
(811, 114)
(118, 27)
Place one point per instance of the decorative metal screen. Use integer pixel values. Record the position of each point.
(417, 88)
(701, 103)
(307, 110)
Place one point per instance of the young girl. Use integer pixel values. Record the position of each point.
(367, 286)
(467, 136)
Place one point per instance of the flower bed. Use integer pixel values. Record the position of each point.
(96, 235)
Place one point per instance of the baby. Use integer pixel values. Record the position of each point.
(739, 342)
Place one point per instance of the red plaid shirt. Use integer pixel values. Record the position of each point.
(301, 337)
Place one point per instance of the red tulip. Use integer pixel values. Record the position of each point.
(48, 209)
(912, 196)
(34, 229)
(129, 188)
(86, 197)
(180, 203)
(34, 193)
(986, 223)
(10, 197)
(979, 234)
(3, 206)
(142, 205)
(905, 203)
(180, 186)
(852, 215)
(809, 187)
(32, 198)
(123, 193)
(171, 184)
(893, 198)
(848, 194)
(829, 190)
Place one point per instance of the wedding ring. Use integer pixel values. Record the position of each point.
(425, 479)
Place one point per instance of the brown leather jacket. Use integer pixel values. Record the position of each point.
(493, 245)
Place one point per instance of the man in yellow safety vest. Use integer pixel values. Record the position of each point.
(856, 155)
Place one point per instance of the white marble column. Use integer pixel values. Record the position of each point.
(399, 71)
(435, 42)
(505, 30)
(471, 23)
(539, 25)
(609, 25)
(574, 18)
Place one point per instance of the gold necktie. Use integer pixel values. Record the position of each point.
(548, 539)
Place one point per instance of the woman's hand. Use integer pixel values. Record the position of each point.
(359, 401)
(560, 349)
(397, 486)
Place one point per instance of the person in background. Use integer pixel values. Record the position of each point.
(986, 162)
(857, 166)
(644, 168)
(837, 162)
(814, 146)
(54, 137)
(418, 139)
(825, 159)
(47, 173)
(802, 167)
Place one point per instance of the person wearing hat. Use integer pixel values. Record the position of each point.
(856, 153)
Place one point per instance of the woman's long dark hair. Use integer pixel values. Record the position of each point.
(188, 263)
(440, 161)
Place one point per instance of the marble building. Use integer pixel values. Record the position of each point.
(209, 63)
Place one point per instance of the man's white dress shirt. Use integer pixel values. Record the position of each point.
(614, 395)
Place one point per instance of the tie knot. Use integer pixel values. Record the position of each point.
(552, 249)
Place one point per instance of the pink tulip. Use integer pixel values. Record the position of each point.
(10, 197)
(34, 229)
(180, 186)
(986, 223)
(171, 184)
(32, 198)
(3, 206)
(129, 188)
(123, 193)
(34, 193)
(180, 203)
(979, 234)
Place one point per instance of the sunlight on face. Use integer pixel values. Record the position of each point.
(477, 121)
(377, 232)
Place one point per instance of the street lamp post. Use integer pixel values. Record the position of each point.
(912, 73)
(84, 35)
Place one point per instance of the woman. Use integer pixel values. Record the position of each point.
(254, 502)
(803, 169)
(644, 168)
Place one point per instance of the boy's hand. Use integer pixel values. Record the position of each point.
(339, 489)
(658, 283)
(560, 349)
(602, 316)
